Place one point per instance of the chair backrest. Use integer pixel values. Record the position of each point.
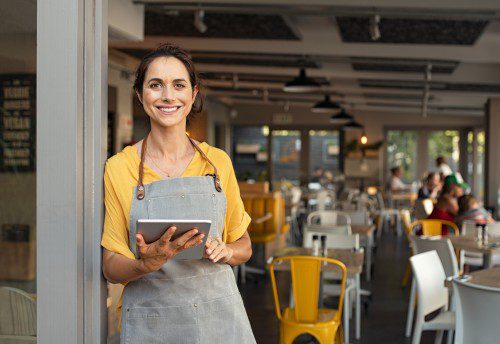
(322, 198)
(477, 313)
(429, 276)
(258, 205)
(331, 229)
(306, 272)
(360, 217)
(328, 217)
(433, 227)
(469, 229)
(444, 249)
(380, 201)
(333, 240)
(494, 228)
(423, 208)
(18, 313)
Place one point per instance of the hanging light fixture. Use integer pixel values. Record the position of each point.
(364, 138)
(352, 125)
(326, 106)
(302, 84)
(199, 21)
(341, 117)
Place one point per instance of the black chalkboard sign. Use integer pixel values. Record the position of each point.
(17, 122)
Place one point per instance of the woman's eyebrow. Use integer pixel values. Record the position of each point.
(155, 79)
(178, 80)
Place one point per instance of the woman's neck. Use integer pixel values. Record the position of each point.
(171, 143)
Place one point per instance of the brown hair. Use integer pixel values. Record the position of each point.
(466, 202)
(171, 50)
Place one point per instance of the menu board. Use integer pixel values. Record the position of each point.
(17, 122)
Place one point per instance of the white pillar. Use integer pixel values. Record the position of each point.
(492, 156)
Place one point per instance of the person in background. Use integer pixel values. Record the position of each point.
(446, 207)
(396, 185)
(431, 187)
(317, 175)
(442, 167)
(471, 210)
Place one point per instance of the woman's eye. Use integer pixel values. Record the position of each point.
(155, 85)
(180, 85)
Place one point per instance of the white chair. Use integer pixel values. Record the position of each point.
(18, 316)
(444, 249)
(384, 216)
(334, 241)
(362, 218)
(423, 208)
(432, 296)
(328, 217)
(478, 313)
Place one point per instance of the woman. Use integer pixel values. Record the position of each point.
(169, 175)
(431, 187)
(446, 207)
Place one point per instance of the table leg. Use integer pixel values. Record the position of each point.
(486, 260)
(358, 306)
(369, 252)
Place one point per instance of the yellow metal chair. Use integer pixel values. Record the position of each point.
(432, 227)
(305, 317)
(406, 219)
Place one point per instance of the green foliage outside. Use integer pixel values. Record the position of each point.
(402, 151)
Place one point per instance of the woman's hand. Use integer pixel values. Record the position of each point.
(155, 255)
(216, 250)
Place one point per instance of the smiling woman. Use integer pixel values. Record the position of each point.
(169, 175)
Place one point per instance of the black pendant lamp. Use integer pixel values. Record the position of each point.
(352, 125)
(341, 117)
(326, 106)
(302, 84)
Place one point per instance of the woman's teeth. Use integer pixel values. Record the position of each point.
(168, 109)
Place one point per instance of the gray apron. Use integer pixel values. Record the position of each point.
(192, 301)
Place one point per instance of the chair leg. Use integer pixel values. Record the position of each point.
(406, 276)
(439, 337)
(380, 225)
(399, 229)
(358, 307)
(243, 273)
(417, 331)
(411, 309)
(449, 339)
(346, 317)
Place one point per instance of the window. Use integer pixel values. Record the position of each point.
(402, 151)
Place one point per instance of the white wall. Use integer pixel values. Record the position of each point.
(125, 20)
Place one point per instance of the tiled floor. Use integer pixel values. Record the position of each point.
(385, 319)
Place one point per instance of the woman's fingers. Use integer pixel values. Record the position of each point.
(221, 255)
(184, 238)
(141, 244)
(213, 244)
(194, 241)
(216, 251)
(165, 238)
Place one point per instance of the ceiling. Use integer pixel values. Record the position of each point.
(251, 48)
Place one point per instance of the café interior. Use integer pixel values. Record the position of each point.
(352, 126)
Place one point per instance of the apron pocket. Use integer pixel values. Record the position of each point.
(224, 321)
(161, 325)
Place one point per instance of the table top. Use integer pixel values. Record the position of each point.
(362, 230)
(469, 243)
(404, 196)
(487, 278)
(353, 260)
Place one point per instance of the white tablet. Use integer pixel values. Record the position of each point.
(152, 230)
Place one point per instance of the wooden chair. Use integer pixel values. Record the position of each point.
(18, 319)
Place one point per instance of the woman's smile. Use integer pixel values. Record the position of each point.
(168, 110)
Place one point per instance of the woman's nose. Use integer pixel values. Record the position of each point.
(168, 93)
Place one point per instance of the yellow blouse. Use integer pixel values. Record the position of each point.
(120, 179)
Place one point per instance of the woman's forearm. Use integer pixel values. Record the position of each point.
(242, 250)
(120, 269)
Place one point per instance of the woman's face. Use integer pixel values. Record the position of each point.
(167, 95)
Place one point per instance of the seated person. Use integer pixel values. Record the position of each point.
(396, 185)
(317, 175)
(471, 210)
(446, 207)
(431, 187)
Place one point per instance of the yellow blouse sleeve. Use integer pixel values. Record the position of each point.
(237, 219)
(115, 232)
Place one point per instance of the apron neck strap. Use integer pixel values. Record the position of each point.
(140, 194)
